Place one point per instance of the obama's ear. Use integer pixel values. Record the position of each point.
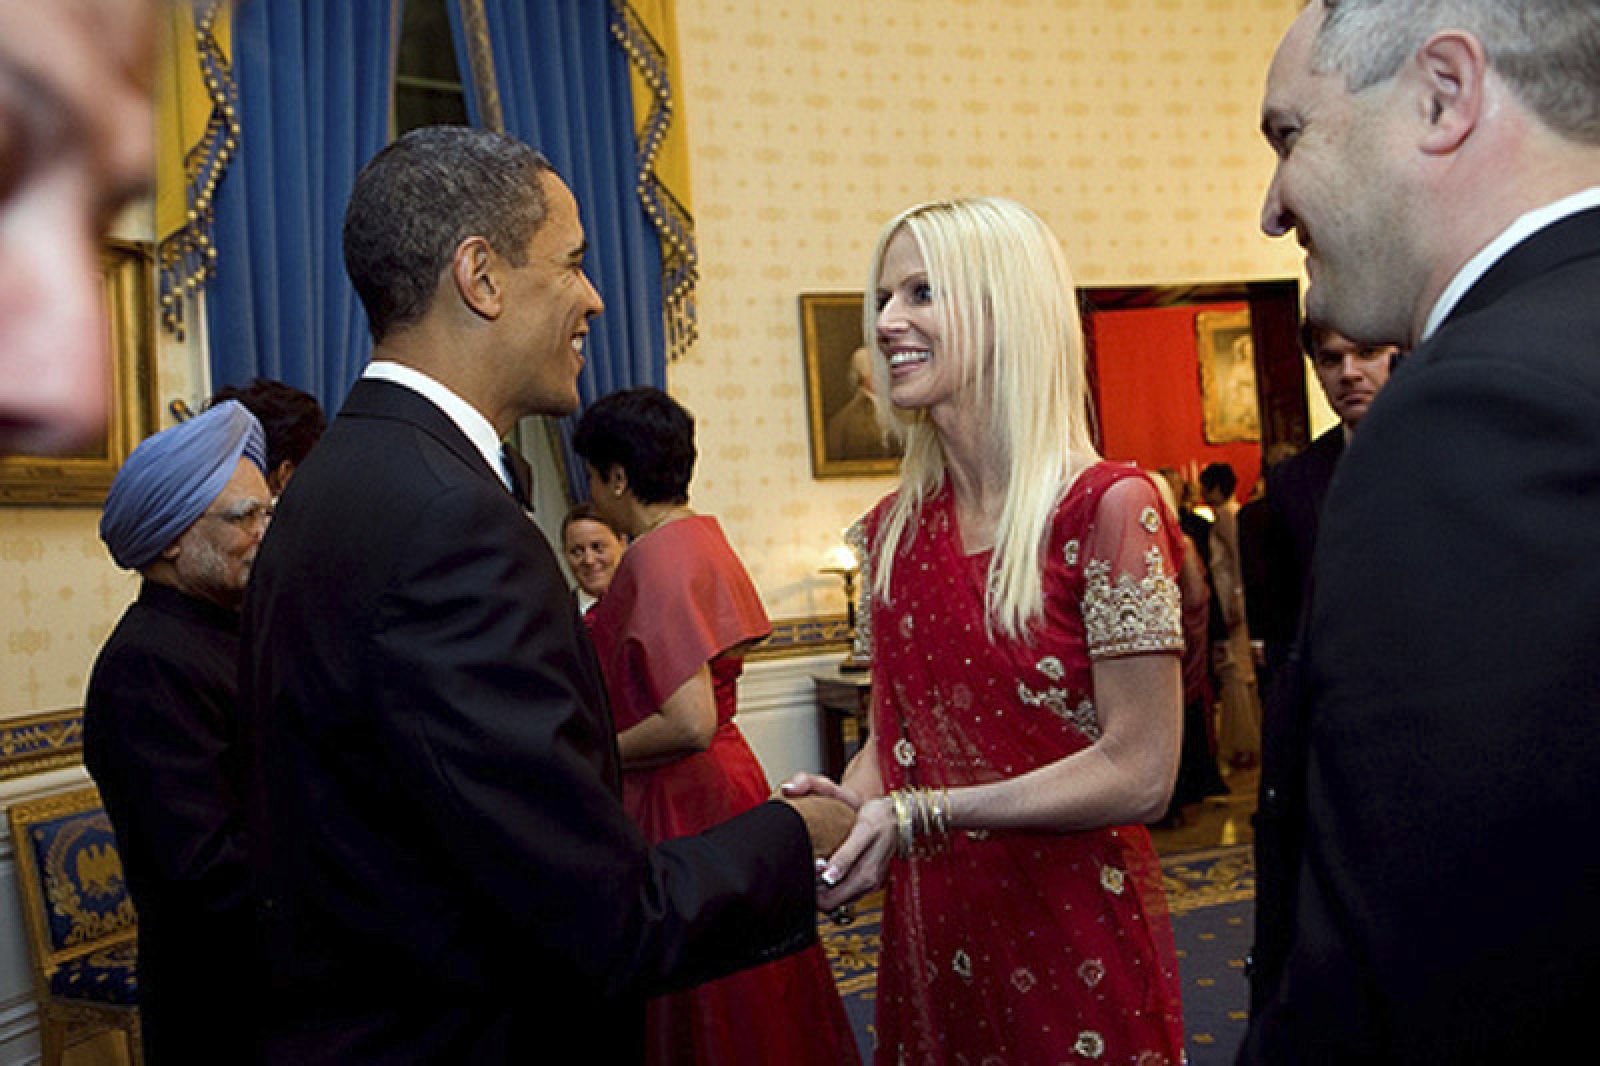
(474, 271)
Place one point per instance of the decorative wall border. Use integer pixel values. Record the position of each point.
(51, 740)
(34, 743)
(804, 636)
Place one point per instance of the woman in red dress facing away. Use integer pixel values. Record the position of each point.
(670, 633)
(1024, 625)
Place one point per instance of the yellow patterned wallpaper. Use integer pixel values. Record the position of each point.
(1129, 125)
(62, 595)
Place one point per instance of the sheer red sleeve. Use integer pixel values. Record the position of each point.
(1131, 601)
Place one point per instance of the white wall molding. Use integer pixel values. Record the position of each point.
(778, 713)
(19, 1032)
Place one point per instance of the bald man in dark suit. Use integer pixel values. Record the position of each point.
(1431, 800)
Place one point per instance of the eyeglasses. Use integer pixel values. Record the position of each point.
(246, 514)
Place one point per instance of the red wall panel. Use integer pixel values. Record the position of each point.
(1148, 393)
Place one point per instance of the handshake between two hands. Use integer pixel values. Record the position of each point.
(852, 840)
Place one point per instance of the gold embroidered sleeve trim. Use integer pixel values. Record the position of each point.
(1131, 615)
(856, 538)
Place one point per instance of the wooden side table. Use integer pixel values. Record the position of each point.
(844, 700)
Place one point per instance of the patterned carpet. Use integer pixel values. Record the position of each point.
(853, 953)
(1211, 894)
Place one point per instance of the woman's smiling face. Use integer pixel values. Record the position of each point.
(923, 371)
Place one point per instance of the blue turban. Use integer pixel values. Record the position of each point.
(172, 477)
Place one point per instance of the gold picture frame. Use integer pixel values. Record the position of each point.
(845, 439)
(82, 478)
(1226, 351)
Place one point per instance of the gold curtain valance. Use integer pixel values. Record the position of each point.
(647, 32)
(197, 134)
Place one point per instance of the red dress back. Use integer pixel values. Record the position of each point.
(681, 599)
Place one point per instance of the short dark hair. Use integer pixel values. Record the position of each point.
(585, 512)
(1312, 336)
(418, 199)
(292, 420)
(1219, 476)
(648, 434)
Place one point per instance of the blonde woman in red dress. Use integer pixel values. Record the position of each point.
(1025, 632)
(670, 633)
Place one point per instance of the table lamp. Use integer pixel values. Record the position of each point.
(842, 561)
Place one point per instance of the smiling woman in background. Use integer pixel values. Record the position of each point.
(593, 548)
(671, 634)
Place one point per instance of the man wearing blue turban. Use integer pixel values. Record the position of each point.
(188, 511)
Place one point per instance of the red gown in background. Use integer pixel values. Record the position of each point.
(681, 599)
(1022, 947)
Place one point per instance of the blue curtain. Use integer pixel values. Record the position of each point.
(314, 100)
(562, 86)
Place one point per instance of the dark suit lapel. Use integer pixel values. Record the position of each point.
(1326, 449)
(1558, 244)
(370, 398)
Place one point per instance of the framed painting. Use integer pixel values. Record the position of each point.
(846, 439)
(1226, 351)
(83, 477)
(1123, 360)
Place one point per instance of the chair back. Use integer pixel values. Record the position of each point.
(74, 896)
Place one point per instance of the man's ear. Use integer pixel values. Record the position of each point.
(280, 476)
(474, 271)
(1451, 67)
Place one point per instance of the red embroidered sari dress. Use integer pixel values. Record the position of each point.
(1013, 947)
(680, 600)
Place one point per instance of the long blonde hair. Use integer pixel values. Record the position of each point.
(1008, 309)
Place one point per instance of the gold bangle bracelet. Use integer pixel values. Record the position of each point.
(902, 822)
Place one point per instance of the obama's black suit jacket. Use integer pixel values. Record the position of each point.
(444, 869)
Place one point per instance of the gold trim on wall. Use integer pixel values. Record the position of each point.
(34, 743)
(793, 637)
(84, 477)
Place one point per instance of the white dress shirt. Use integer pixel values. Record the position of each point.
(1520, 230)
(467, 418)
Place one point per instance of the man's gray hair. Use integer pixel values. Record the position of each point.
(1548, 51)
